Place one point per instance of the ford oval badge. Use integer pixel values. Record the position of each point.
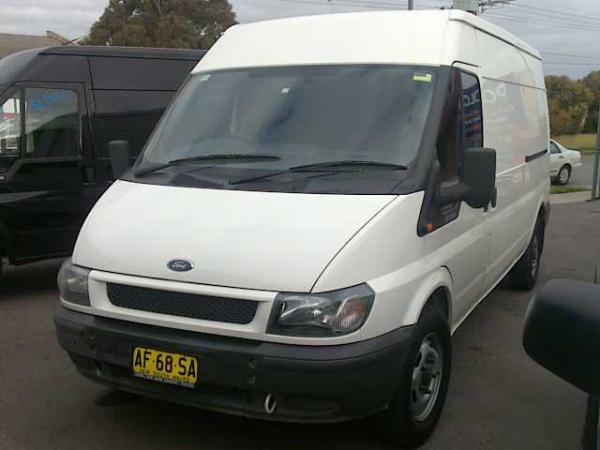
(180, 265)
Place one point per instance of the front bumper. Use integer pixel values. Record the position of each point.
(309, 383)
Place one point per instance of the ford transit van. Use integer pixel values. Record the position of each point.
(320, 208)
(60, 109)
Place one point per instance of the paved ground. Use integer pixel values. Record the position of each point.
(498, 398)
(584, 176)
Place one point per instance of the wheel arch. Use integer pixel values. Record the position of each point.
(436, 289)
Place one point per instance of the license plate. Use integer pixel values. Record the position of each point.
(165, 367)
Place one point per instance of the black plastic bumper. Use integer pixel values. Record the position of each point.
(309, 383)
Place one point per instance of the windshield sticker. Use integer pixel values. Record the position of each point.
(205, 78)
(422, 77)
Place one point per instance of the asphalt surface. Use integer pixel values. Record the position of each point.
(498, 398)
(585, 175)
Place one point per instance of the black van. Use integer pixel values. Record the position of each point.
(60, 108)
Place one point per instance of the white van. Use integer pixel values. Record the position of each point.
(323, 204)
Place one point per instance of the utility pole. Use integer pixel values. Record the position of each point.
(411, 4)
(596, 162)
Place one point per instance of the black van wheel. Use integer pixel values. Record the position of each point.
(524, 274)
(418, 403)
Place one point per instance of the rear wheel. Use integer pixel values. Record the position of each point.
(524, 274)
(418, 403)
(564, 175)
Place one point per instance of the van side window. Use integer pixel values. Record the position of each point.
(472, 120)
(52, 124)
(10, 129)
(128, 115)
(462, 123)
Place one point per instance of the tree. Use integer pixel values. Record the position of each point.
(162, 23)
(568, 102)
(592, 82)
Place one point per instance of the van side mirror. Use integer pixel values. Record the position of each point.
(562, 332)
(119, 154)
(479, 176)
(477, 183)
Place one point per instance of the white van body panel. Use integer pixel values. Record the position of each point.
(398, 263)
(382, 37)
(251, 240)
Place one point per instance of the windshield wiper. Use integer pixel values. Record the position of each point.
(330, 166)
(222, 158)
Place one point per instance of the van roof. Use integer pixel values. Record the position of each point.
(125, 52)
(432, 37)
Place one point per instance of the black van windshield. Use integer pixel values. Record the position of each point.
(342, 125)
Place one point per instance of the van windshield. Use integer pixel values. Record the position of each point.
(367, 120)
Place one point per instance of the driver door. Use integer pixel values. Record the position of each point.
(43, 186)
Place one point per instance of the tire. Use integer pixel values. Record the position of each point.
(524, 274)
(564, 175)
(412, 416)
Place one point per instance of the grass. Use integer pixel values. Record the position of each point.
(585, 143)
(567, 189)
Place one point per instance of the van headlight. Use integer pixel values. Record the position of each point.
(73, 283)
(327, 314)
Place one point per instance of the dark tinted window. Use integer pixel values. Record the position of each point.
(554, 148)
(10, 129)
(52, 125)
(139, 73)
(128, 115)
(472, 123)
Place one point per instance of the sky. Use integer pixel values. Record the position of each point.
(566, 35)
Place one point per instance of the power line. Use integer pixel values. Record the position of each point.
(567, 20)
(542, 23)
(560, 63)
(571, 55)
(367, 4)
(561, 13)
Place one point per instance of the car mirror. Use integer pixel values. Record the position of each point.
(562, 332)
(479, 175)
(120, 155)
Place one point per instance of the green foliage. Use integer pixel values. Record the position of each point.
(569, 103)
(592, 82)
(567, 189)
(162, 23)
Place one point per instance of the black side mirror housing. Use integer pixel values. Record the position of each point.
(562, 332)
(120, 155)
(479, 176)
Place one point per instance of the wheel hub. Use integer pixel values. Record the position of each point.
(426, 377)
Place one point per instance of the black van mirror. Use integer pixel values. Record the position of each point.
(119, 157)
(479, 176)
(562, 332)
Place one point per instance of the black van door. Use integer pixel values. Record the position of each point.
(47, 185)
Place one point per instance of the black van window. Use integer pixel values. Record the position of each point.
(128, 115)
(52, 125)
(10, 129)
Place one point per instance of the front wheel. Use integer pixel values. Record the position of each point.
(418, 403)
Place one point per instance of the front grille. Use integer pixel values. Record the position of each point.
(195, 306)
